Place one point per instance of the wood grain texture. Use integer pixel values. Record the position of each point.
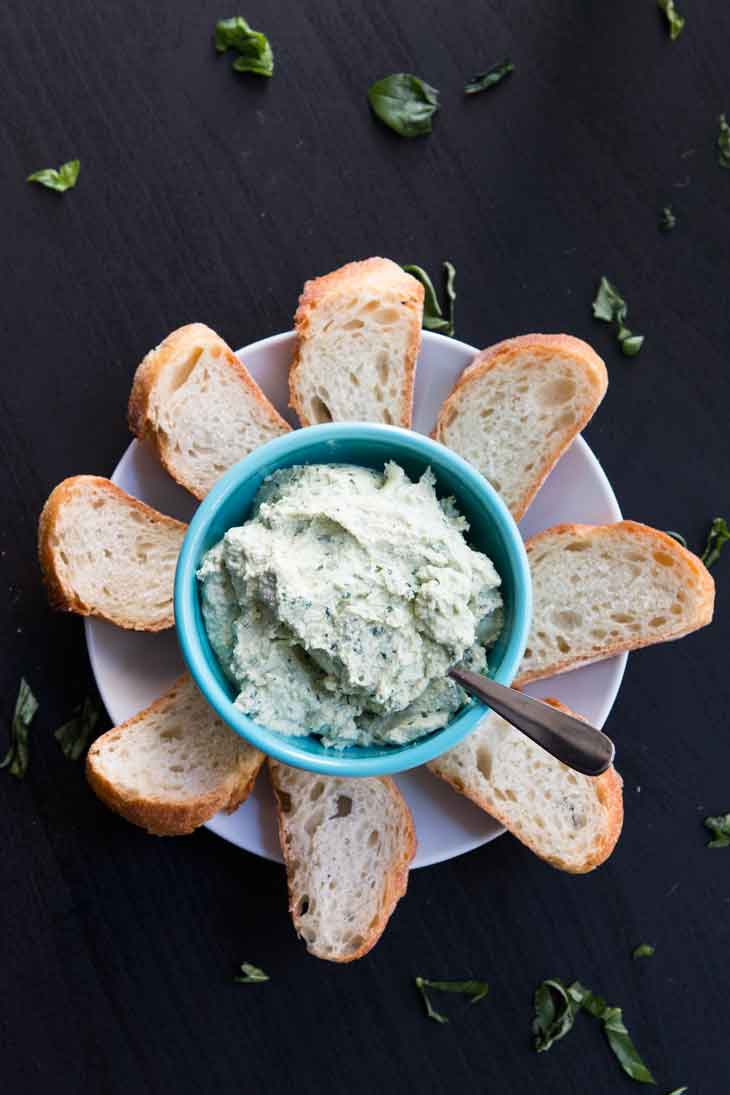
(209, 196)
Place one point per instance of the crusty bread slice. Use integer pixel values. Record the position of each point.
(358, 333)
(517, 407)
(600, 589)
(200, 407)
(103, 553)
(347, 845)
(174, 765)
(570, 820)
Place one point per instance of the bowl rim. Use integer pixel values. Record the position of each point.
(281, 747)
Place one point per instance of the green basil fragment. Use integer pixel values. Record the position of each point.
(677, 536)
(405, 103)
(475, 990)
(675, 21)
(75, 736)
(667, 220)
(723, 143)
(556, 1007)
(611, 307)
(678, 1091)
(644, 950)
(717, 537)
(63, 178)
(253, 48)
(720, 828)
(17, 756)
(433, 316)
(252, 975)
(492, 76)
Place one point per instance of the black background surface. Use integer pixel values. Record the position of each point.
(207, 196)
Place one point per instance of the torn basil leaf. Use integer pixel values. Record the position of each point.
(555, 1012)
(16, 758)
(644, 950)
(252, 975)
(677, 536)
(717, 537)
(75, 736)
(253, 48)
(405, 103)
(611, 307)
(475, 990)
(667, 220)
(675, 21)
(720, 828)
(492, 76)
(63, 178)
(433, 316)
(723, 143)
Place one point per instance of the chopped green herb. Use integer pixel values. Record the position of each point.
(62, 179)
(253, 48)
(720, 827)
(556, 1007)
(668, 220)
(75, 735)
(252, 975)
(433, 316)
(475, 990)
(404, 103)
(717, 537)
(644, 950)
(611, 307)
(492, 76)
(675, 21)
(723, 143)
(678, 537)
(678, 1091)
(16, 758)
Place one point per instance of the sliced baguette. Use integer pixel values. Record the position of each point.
(347, 845)
(570, 820)
(174, 765)
(200, 408)
(601, 589)
(103, 553)
(358, 333)
(518, 406)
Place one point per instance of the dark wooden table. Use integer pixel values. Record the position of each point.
(207, 196)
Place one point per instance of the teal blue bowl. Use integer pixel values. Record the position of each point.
(492, 530)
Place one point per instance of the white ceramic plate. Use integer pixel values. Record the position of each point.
(134, 668)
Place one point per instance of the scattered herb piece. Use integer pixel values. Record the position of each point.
(62, 179)
(674, 20)
(556, 1006)
(678, 1091)
(492, 76)
(433, 316)
(253, 48)
(475, 990)
(720, 827)
(252, 975)
(75, 735)
(668, 220)
(723, 143)
(16, 758)
(404, 103)
(717, 537)
(644, 950)
(678, 537)
(611, 307)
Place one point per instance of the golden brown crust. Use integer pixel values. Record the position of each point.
(60, 595)
(349, 277)
(396, 881)
(703, 608)
(139, 414)
(168, 818)
(501, 356)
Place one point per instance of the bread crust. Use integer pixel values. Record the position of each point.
(703, 607)
(61, 595)
(139, 411)
(396, 882)
(349, 277)
(166, 818)
(501, 355)
(608, 788)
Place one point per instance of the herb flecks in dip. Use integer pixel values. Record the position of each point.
(339, 606)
